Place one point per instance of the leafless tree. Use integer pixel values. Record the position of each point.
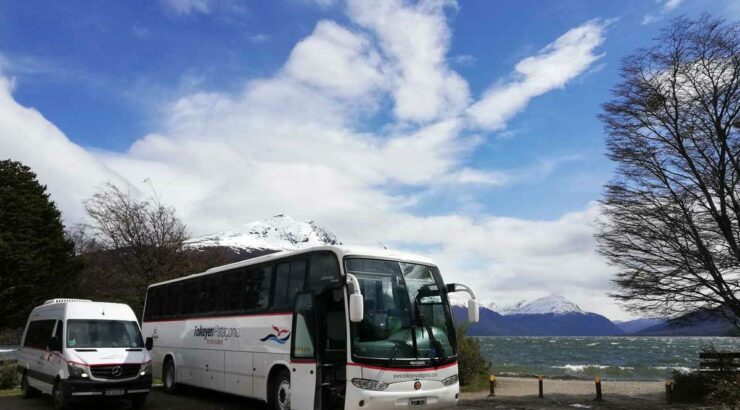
(672, 213)
(132, 244)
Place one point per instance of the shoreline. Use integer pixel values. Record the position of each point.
(522, 393)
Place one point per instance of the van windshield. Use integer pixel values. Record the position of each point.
(103, 333)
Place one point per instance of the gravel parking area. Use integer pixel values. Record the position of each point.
(198, 399)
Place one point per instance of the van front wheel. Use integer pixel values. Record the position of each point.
(168, 377)
(60, 403)
(27, 391)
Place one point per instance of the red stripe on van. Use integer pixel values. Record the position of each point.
(181, 319)
(404, 369)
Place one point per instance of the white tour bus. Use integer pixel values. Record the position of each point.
(76, 349)
(327, 327)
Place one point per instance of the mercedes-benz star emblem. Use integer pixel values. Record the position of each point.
(116, 371)
(417, 385)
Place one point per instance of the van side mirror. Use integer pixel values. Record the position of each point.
(149, 343)
(473, 313)
(356, 308)
(55, 345)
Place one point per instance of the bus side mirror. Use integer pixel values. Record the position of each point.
(149, 343)
(356, 308)
(55, 345)
(473, 314)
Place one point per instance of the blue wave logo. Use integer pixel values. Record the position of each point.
(276, 338)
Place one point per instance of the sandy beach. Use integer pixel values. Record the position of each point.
(522, 393)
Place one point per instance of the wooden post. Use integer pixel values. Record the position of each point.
(669, 391)
(540, 379)
(492, 380)
(597, 380)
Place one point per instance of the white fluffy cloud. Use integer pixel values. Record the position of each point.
(561, 61)
(415, 40)
(295, 142)
(184, 7)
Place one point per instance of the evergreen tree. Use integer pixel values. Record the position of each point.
(36, 258)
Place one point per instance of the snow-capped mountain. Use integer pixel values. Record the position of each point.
(554, 304)
(280, 232)
(549, 316)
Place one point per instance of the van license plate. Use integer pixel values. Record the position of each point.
(417, 402)
(115, 392)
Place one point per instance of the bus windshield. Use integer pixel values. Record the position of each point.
(406, 316)
(103, 333)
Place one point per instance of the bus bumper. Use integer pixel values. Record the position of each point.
(433, 395)
(91, 389)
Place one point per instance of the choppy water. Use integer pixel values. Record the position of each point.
(616, 358)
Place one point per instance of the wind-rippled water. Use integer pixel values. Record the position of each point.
(616, 358)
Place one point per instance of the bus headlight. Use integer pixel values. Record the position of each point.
(369, 384)
(450, 380)
(146, 369)
(77, 371)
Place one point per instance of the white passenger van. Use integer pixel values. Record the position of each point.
(330, 327)
(78, 349)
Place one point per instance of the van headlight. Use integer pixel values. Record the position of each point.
(369, 384)
(450, 380)
(77, 370)
(146, 369)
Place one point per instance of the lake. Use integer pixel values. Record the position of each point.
(615, 358)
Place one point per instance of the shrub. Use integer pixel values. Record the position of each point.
(8, 376)
(10, 337)
(691, 387)
(471, 363)
(726, 392)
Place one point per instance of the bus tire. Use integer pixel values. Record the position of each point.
(27, 392)
(169, 381)
(280, 394)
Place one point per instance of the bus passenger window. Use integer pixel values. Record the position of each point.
(324, 270)
(289, 280)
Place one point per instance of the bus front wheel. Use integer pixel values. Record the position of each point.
(281, 391)
(168, 377)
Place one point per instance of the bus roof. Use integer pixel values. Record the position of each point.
(340, 250)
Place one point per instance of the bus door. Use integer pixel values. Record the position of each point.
(303, 375)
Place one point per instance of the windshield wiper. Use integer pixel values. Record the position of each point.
(433, 340)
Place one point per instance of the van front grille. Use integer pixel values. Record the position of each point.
(119, 371)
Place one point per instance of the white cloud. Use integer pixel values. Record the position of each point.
(185, 7)
(335, 59)
(561, 61)
(297, 142)
(670, 5)
(259, 38)
(415, 39)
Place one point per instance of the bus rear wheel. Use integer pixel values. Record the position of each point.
(168, 377)
(281, 391)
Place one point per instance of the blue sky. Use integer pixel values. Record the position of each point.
(466, 130)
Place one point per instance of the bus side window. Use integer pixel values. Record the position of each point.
(233, 283)
(172, 302)
(282, 279)
(297, 279)
(209, 295)
(190, 294)
(289, 280)
(324, 270)
(256, 288)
